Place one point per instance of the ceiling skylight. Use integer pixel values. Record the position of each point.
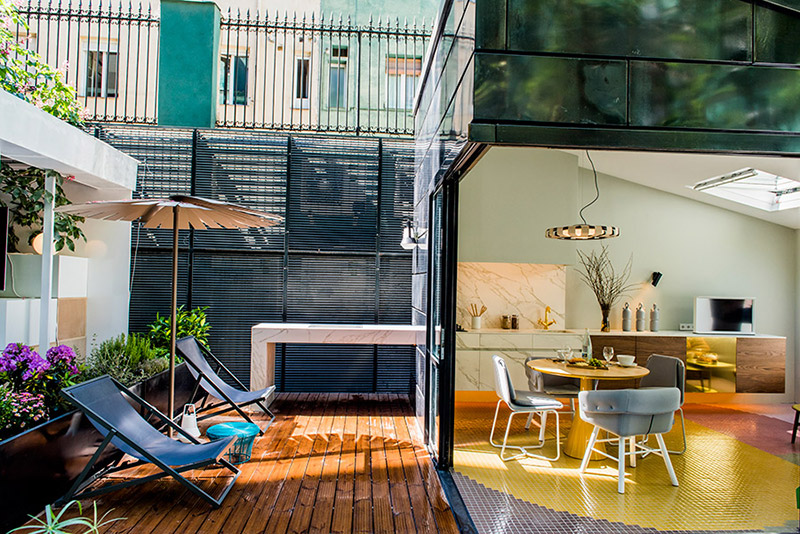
(755, 188)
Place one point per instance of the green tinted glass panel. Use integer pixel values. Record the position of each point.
(777, 36)
(690, 29)
(791, 4)
(686, 95)
(490, 24)
(549, 89)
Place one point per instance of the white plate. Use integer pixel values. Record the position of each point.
(623, 365)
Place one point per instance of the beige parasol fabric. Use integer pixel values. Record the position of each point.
(178, 212)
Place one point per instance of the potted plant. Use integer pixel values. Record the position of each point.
(607, 284)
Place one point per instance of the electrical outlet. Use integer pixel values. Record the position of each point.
(687, 326)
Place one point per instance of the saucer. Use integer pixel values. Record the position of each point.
(623, 365)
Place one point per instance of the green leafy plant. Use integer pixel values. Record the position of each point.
(24, 74)
(121, 357)
(189, 323)
(57, 523)
(24, 193)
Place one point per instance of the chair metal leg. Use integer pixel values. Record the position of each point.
(523, 450)
(667, 462)
(542, 424)
(633, 450)
(621, 466)
(528, 422)
(589, 448)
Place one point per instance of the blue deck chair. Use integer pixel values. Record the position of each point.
(103, 402)
(208, 379)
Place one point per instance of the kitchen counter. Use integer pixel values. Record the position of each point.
(579, 331)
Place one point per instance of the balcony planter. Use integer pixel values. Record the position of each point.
(39, 465)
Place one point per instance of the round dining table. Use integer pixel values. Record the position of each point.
(579, 432)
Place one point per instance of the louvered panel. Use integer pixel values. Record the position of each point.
(397, 193)
(328, 368)
(165, 168)
(395, 291)
(241, 290)
(331, 289)
(246, 168)
(396, 368)
(151, 286)
(333, 194)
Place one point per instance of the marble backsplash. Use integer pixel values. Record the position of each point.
(524, 289)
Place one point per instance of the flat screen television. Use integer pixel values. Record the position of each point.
(723, 315)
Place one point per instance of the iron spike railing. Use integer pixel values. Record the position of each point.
(319, 73)
(280, 72)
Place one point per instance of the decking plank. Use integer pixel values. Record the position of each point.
(343, 502)
(338, 463)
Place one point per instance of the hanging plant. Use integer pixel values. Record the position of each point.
(607, 284)
(24, 193)
(24, 74)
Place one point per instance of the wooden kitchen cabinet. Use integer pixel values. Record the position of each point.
(760, 365)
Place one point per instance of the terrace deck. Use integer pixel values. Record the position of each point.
(328, 463)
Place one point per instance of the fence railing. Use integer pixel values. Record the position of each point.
(109, 54)
(276, 72)
(319, 74)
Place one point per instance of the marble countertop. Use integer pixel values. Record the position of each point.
(665, 333)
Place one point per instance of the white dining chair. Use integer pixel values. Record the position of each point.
(520, 401)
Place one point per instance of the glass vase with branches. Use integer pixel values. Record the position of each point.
(607, 283)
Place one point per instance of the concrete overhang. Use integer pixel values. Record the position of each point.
(34, 137)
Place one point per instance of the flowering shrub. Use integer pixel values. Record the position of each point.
(20, 410)
(19, 363)
(24, 74)
(26, 371)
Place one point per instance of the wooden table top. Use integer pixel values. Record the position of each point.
(614, 372)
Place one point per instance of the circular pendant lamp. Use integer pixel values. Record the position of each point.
(584, 231)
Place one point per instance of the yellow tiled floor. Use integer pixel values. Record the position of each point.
(724, 484)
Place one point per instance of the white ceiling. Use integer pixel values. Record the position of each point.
(673, 172)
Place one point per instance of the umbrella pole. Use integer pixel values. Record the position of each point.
(173, 319)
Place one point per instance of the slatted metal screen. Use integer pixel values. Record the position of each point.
(336, 259)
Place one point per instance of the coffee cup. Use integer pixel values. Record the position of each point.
(626, 360)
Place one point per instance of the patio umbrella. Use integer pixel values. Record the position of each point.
(178, 212)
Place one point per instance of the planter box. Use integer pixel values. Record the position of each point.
(39, 465)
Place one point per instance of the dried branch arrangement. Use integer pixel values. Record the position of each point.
(597, 271)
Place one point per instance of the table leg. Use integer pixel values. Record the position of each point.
(579, 432)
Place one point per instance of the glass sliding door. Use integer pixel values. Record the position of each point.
(441, 325)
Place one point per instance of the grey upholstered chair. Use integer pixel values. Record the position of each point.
(667, 372)
(628, 413)
(560, 387)
(519, 401)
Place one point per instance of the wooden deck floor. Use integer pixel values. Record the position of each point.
(329, 463)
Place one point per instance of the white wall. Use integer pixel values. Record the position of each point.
(513, 194)
(108, 248)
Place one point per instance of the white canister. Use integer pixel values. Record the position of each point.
(640, 326)
(654, 318)
(476, 322)
(627, 318)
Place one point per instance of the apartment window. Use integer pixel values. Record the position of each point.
(101, 73)
(233, 80)
(402, 74)
(337, 78)
(302, 81)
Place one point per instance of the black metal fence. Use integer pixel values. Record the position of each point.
(336, 258)
(108, 53)
(310, 73)
(319, 74)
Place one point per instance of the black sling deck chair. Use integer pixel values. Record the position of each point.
(209, 380)
(102, 401)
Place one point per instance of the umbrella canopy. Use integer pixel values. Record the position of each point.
(178, 212)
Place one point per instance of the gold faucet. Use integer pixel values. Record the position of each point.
(547, 322)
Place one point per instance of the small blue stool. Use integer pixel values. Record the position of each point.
(242, 448)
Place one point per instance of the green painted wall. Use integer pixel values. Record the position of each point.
(362, 10)
(188, 62)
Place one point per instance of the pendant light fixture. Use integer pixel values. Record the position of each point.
(584, 231)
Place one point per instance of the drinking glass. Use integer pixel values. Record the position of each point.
(565, 354)
(608, 353)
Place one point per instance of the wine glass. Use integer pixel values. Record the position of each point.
(608, 353)
(565, 354)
